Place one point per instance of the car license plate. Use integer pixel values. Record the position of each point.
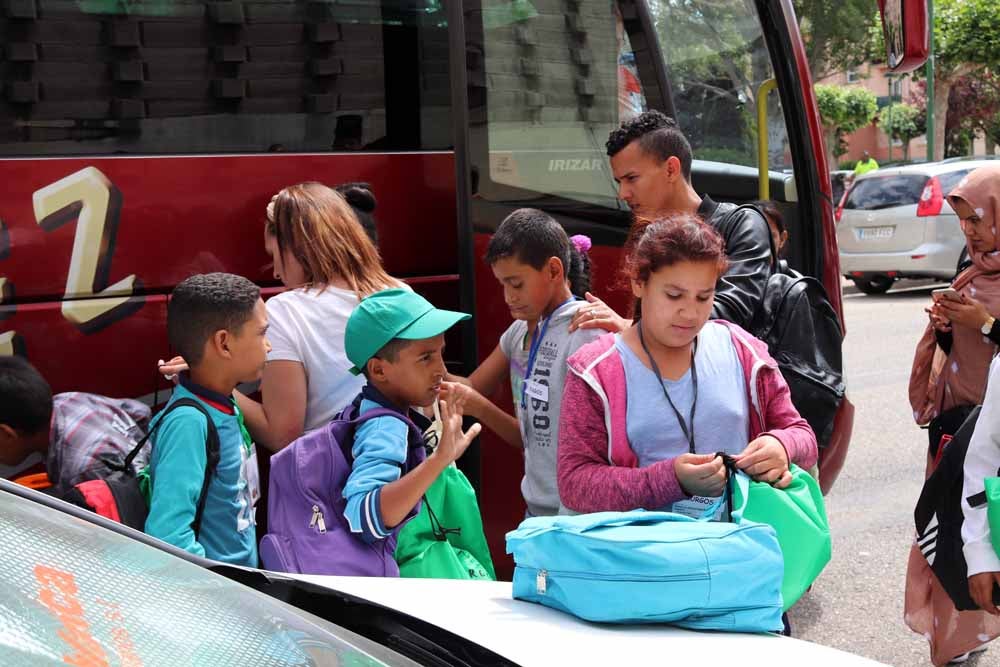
(875, 233)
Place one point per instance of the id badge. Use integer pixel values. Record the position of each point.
(700, 507)
(537, 391)
(252, 475)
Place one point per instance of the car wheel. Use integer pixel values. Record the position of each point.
(874, 284)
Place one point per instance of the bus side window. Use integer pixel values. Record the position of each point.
(198, 77)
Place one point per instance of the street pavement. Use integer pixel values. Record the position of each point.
(857, 603)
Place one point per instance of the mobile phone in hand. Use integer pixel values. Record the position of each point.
(946, 293)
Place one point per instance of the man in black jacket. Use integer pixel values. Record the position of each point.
(651, 162)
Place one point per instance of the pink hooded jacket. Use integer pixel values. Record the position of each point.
(598, 471)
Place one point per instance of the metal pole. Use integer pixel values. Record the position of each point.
(763, 170)
(930, 82)
(889, 124)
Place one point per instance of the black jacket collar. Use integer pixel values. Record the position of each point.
(707, 208)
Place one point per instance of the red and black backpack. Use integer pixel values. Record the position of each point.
(116, 491)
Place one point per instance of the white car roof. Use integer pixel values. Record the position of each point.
(925, 169)
(530, 634)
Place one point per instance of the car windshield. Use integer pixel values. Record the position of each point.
(69, 587)
(871, 194)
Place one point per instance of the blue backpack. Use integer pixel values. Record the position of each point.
(651, 567)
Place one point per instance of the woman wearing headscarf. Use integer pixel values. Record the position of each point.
(948, 378)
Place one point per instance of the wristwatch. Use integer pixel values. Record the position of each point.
(988, 325)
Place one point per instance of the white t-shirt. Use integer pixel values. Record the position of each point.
(307, 325)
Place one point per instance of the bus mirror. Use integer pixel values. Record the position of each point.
(905, 29)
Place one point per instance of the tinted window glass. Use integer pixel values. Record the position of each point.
(950, 180)
(220, 77)
(73, 589)
(551, 79)
(884, 192)
(716, 62)
(552, 82)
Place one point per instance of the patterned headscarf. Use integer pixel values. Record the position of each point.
(939, 384)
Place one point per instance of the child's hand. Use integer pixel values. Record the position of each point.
(701, 474)
(171, 369)
(765, 460)
(453, 442)
(463, 396)
(981, 589)
(598, 315)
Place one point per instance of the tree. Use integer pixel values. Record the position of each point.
(830, 31)
(902, 122)
(842, 111)
(973, 106)
(966, 42)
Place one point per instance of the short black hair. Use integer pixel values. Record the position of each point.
(772, 213)
(203, 304)
(390, 352)
(532, 237)
(658, 136)
(25, 396)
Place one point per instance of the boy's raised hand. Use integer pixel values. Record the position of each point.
(453, 441)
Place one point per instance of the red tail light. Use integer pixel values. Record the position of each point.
(931, 199)
(839, 212)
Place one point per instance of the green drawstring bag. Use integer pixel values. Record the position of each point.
(798, 516)
(445, 540)
(993, 510)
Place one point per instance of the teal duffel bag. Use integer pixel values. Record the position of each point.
(651, 567)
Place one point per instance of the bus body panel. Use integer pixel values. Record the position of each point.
(178, 216)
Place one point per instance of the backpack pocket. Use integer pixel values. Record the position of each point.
(277, 554)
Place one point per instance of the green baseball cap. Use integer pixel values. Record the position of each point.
(389, 314)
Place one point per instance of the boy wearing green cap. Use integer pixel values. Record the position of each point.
(396, 339)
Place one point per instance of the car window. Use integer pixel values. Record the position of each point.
(885, 192)
(950, 180)
(73, 588)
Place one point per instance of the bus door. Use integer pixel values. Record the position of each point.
(550, 79)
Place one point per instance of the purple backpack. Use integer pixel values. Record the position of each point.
(308, 532)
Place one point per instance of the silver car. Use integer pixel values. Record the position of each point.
(895, 223)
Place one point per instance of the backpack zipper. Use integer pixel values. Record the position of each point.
(317, 519)
(542, 577)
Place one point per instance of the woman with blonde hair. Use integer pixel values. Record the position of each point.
(328, 263)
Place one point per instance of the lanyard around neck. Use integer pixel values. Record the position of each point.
(536, 344)
(688, 431)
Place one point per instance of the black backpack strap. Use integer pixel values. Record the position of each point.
(212, 450)
(730, 463)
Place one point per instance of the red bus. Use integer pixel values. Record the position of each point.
(140, 141)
